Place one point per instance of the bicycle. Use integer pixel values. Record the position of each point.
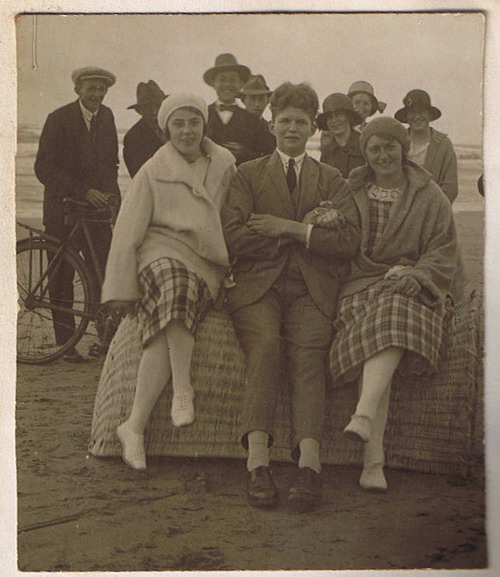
(39, 258)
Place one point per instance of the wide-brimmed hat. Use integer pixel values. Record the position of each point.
(366, 88)
(255, 85)
(181, 100)
(148, 93)
(417, 99)
(90, 72)
(384, 126)
(223, 63)
(337, 102)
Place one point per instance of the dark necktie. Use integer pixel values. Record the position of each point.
(229, 107)
(93, 126)
(291, 175)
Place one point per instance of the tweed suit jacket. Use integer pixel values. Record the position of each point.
(139, 145)
(68, 165)
(260, 187)
(244, 128)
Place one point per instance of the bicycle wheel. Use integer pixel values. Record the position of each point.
(41, 317)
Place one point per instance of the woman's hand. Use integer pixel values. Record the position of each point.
(408, 286)
(325, 216)
(269, 225)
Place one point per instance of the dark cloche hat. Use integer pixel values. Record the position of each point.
(225, 62)
(148, 93)
(93, 72)
(417, 99)
(255, 85)
(337, 102)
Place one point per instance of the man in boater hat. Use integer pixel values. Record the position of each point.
(228, 124)
(78, 158)
(145, 137)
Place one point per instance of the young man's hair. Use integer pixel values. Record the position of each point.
(297, 95)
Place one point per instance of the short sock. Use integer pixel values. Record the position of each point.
(309, 455)
(258, 450)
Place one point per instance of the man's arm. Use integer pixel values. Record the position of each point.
(47, 164)
(240, 239)
(342, 242)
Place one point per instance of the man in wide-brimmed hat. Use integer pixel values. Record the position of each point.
(78, 158)
(145, 137)
(338, 119)
(228, 124)
(255, 96)
(428, 147)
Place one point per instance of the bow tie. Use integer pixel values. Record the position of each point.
(230, 107)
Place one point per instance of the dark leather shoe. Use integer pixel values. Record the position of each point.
(305, 492)
(261, 490)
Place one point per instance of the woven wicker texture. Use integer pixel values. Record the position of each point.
(432, 425)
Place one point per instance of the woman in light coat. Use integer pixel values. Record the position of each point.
(167, 260)
(404, 279)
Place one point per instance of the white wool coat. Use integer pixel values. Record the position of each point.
(169, 212)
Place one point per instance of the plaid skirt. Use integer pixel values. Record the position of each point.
(170, 291)
(375, 319)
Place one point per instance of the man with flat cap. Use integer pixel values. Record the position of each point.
(145, 137)
(228, 124)
(78, 158)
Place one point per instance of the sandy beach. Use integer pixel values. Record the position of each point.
(81, 513)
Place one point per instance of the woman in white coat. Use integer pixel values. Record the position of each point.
(167, 261)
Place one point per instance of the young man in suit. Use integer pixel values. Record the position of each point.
(286, 279)
(145, 137)
(255, 95)
(78, 158)
(228, 124)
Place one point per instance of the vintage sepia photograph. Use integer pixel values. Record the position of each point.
(250, 256)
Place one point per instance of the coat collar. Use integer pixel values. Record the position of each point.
(359, 183)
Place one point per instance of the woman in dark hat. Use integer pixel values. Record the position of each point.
(429, 148)
(403, 280)
(338, 119)
(364, 101)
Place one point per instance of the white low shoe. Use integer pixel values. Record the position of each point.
(182, 412)
(373, 478)
(359, 429)
(133, 447)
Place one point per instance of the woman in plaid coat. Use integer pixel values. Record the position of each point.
(167, 260)
(405, 276)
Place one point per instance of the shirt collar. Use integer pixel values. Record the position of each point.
(233, 103)
(87, 115)
(285, 158)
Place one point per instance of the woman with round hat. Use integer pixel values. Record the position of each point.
(403, 280)
(429, 148)
(364, 100)
(338, 119)
(167, 260)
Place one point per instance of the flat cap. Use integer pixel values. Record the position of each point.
(93, 72)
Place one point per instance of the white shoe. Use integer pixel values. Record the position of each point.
(373, 478)
(182, 409)
(359, 429)
(133, 447)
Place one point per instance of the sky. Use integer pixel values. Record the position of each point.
(440, 53)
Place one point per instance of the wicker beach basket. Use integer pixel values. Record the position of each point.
(433, 426)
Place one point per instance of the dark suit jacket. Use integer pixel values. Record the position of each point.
(244, 128)
(260, 187)
(68, 164)
(139, 145)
